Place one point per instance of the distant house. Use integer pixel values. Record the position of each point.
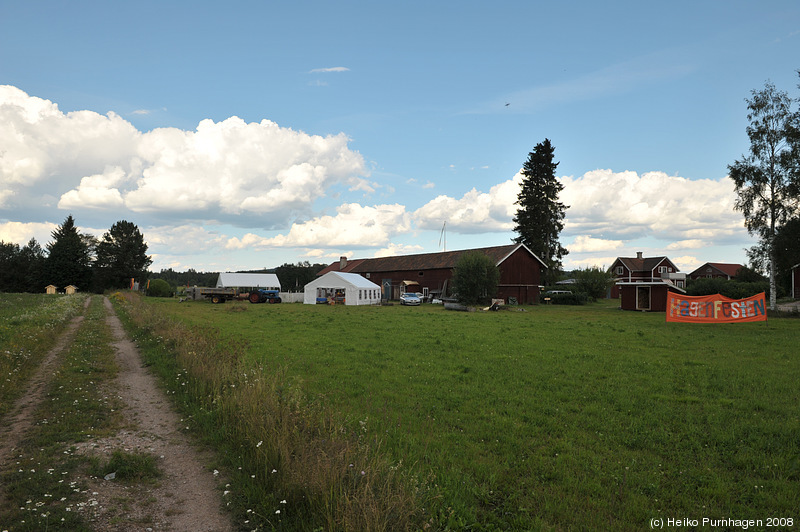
(716, 270)
(50, 289)
(431, 273)
(248, 280)
(645, 269)
(796, 281)
(71, 289)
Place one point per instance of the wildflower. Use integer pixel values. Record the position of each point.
(216, 472)
(283, 501)
(259, 444)
(277, 511)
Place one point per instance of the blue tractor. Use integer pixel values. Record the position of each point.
(263, 295)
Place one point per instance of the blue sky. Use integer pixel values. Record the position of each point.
(251, 134)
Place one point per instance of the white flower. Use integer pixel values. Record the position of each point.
(259, 444)
(277, 511)
(283, 501)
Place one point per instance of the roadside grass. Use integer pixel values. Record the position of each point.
(554, 417)
(291, 464)
(29, 326)
(42, 489)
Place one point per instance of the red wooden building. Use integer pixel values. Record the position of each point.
(643, 282)
(645, 295)
(716, 270)
(430, 273)
(645, 269)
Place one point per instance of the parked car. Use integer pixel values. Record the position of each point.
(409, 299)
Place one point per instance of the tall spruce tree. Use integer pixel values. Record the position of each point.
(121, 256)
(540, 215)
(68, 259)
(767, 180)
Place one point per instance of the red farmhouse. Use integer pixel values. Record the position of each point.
(431, 273)
(643, 282)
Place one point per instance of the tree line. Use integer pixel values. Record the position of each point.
(77, 259)
(109, 263)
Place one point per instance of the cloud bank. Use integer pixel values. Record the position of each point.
(256, 174)
(239, 187)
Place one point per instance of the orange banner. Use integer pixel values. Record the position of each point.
(715, 309)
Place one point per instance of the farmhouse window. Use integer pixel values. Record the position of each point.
(620, 270)
(421, 274)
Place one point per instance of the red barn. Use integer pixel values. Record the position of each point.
(430, 273)
(716, 270)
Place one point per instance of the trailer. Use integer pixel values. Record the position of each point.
(215, 295)
(221, 295)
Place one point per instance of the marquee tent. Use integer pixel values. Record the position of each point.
(339, 287)
(248, 280)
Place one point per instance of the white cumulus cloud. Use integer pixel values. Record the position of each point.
(474, 212)
(353, 225)
(627, 205)
(257, 174)
(584, 243)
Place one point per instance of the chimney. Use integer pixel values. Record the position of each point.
(639, 255)
(342, 263)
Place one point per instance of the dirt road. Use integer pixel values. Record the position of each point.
(188, 496)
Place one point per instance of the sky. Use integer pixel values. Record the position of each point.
(250, 134)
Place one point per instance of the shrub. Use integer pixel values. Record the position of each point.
(732, 289)
(594, 282)
(475, 278)
(159, 288)
(576, 298)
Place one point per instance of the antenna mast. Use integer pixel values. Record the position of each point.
(443, 236)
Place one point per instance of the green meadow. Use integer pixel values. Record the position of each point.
(543, 417)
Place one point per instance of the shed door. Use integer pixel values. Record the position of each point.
(642, 298)
(386, 287)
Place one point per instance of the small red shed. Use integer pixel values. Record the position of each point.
(647, 295)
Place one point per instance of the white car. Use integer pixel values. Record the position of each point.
(409, 299)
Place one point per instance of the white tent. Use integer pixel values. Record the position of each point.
(248, 280)
(347, 288)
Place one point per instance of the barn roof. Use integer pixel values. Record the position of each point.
(248, 280)
(434, 261)
(722, 267)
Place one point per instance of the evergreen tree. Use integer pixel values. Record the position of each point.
(68, 260)
(540, 215)
(121, 256)
(768, 179)
(10, 274)
(31, 262)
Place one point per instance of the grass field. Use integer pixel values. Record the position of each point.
(29, 325)
(549, 418)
